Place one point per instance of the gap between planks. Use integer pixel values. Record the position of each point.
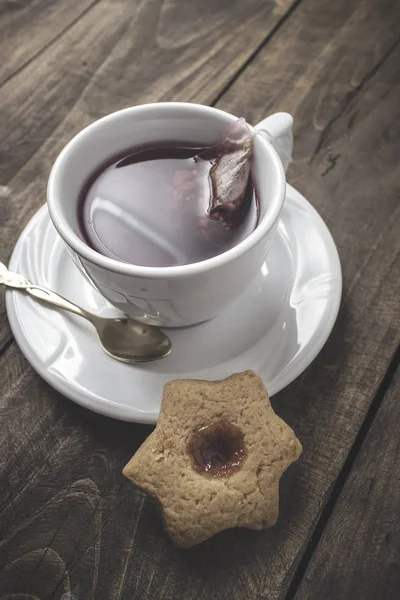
(342, 476)
(49, 43)
(260, 47)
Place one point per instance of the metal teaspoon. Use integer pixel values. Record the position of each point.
(124, 339)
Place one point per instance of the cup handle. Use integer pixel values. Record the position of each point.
(278, 128)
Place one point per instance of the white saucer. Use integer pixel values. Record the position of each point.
(276, 328)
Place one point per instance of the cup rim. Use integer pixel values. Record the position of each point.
(115, 266)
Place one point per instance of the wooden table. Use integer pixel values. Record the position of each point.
(71, 527)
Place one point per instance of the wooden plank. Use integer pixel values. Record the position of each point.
(57, 444)
(358, 555)
(118, 54)
(26, 28)
(61, 483)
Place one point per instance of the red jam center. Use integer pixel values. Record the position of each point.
(217, 449)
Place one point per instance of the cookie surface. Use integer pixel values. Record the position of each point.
(215, 457)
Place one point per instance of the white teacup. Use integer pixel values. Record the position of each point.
(180, 295)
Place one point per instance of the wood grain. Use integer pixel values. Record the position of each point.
(119, 53)
(27, 28)
(358, 556)
(61, 484)
(69, 524)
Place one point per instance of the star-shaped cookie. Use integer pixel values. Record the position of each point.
(215, 457)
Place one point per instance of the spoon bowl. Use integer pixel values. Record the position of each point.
(122, 338)
(116, 335)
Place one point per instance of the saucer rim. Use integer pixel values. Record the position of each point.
(86, 398)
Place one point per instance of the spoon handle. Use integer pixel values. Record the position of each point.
(17, 281)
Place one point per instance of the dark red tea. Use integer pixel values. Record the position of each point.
(151, 207)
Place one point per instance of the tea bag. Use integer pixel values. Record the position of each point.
(211, 195)
(231, 189)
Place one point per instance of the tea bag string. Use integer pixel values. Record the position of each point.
(278, 145)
